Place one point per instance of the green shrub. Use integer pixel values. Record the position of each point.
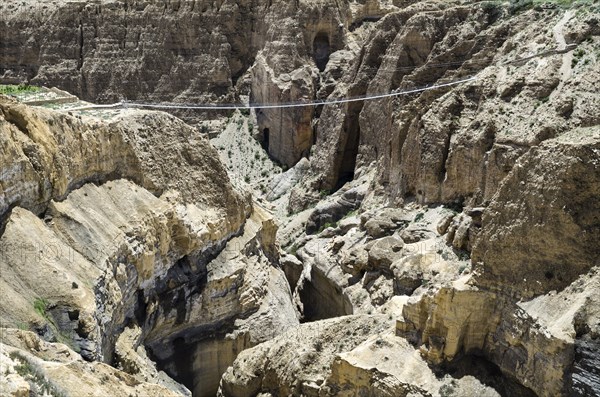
(41, 305)
(419, 216)
(351, 213)
(17, 89)
(293, 249)
(327, 225)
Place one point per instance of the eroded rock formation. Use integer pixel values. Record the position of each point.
(164, 245)
(443, 242)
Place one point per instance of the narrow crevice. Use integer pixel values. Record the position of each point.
(80, 44)
(346, 172)
(345, 161)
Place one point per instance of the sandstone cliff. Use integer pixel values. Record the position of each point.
(468, 213)
(131, 223)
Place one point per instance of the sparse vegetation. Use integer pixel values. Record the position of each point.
(293, 249)
(318, 345)
(34, 375)
(351, 213)
(463, 255)
(577, 55)
(17, 89)
(515, 6)
(447, 391)
(22, 326)
(328, 225)
(41, 305)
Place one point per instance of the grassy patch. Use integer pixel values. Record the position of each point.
(577, 55)
(293, 249)
(22, 326)
(41, 306)
(463, 255)
(419, 217)
(318, 346)
(17, 89)
(327, 225)
(351, 213)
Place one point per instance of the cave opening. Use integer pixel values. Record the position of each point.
(349, 153)
(321, 50)
(265, 139)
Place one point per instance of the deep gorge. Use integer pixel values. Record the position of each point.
(441, 241)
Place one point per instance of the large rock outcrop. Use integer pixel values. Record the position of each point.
(530, 307)
(543, 238)
(351, 356)
(140, 230)
(454, 144)
(48, 154)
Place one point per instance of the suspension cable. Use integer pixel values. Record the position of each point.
(235, 106)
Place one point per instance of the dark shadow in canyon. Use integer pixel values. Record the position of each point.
(321, 50)
(322, 299)
(486, 372)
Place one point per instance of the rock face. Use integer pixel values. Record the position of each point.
(162, 62)
(558, 218)
(539, 340)
(46, 155)
(36, 367)
(454, 144)
(194, 52)
(159, 247)
(465, 214)
(351, 356)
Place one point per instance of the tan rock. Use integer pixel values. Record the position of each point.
(545, 236)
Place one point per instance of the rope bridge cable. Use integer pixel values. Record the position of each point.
(216, 106)
(147, 105)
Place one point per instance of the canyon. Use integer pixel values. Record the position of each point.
(424, 220)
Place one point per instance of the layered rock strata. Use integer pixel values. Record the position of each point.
(130, 227)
